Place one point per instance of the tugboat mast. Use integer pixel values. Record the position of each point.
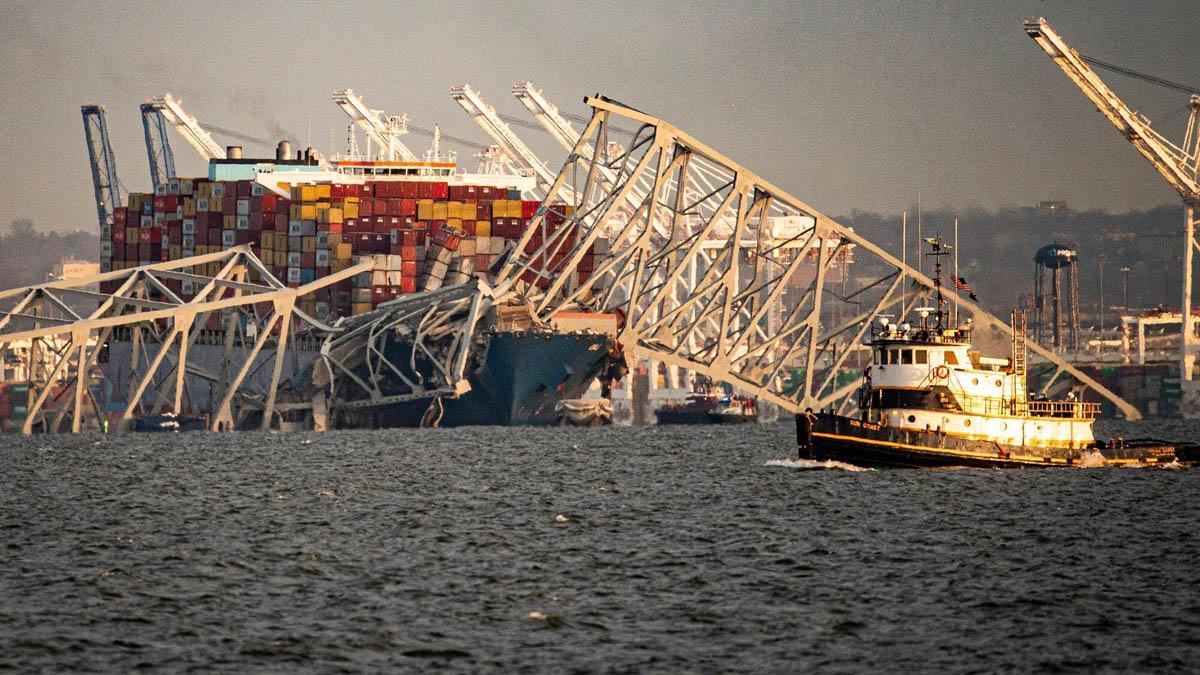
(939, 251)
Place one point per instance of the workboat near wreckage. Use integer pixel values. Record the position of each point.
(930, 400)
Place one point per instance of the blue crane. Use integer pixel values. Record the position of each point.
(158, 147)
(104, 165)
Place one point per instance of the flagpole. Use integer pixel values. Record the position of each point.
(904, 261)
(956, 277)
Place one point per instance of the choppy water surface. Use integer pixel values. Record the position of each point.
(616, 549)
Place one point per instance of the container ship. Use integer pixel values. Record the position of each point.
(422, 223)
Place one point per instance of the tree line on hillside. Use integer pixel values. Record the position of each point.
(28, 256)
(996, 250)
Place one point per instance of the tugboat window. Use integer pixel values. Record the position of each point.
(906, 356)
(912, 418)
(922, 356)
(951, 358)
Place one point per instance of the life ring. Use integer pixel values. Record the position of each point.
(941, 372)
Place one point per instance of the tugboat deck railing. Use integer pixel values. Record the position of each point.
(1008, 407)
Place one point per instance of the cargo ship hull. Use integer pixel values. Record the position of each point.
(519, 382)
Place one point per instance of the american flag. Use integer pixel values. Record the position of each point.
(961, 285)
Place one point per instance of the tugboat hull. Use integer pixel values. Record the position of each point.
(846, 439)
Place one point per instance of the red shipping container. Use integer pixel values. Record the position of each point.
(409, 189)
(407, 207)
(243, 188)
(440, 190)
(283, 205)
(119, 215)
(165, 203)
(380, 242)
(308, 260)
(394, 248)
(241, 237)
(350, 225)
(145, 251)
(366, 208)
(214, 237)
(281, 222)
(131, 251)
(335, 228)
(229, 204)
(408, 267)
(118, 236)
(337, 191)
(468, 227)
(408, 252)
(529, 209)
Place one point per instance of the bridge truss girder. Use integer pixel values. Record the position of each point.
(758, 304)
(77, 322)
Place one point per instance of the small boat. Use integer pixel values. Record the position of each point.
(734, 410)
(929, 399)
(710, 404)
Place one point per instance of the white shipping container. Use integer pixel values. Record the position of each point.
(189, 226)
(188, 241)
(257, 190)
(228, 238)
(243, 207)
(379, 278)
(393, 262)
(202, 204)
(394, 277)
(243, 222)
(293, 259)
(218, 191)
(293, 275)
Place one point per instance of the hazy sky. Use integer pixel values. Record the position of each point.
(847, 105)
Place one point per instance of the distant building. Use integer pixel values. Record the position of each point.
(74, 269)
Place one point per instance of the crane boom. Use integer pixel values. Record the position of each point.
(488, 120)
(384, 131)
(103, 164)
(158, 146)
(1178, 166)
(189, 127)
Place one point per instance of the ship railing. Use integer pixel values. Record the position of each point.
(997, 406)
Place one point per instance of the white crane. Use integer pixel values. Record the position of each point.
(385, 131)
(488, 120)
(189, 127)
(1178, 165)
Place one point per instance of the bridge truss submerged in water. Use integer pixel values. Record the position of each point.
(714, 269)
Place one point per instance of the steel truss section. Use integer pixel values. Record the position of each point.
(357, 370)
(162, 330)
(739, 281)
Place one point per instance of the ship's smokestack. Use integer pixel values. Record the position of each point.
(233, 151)
(283, 151)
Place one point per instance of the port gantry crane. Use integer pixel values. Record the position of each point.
(104, 165)
(1179, 165)
(384, 131)
(158, 146)
(189, 127)
(489, 120)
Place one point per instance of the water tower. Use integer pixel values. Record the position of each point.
(1061, 263)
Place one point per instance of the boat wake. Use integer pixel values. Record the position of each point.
(812, 464)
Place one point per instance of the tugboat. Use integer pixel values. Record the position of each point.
(930, 400)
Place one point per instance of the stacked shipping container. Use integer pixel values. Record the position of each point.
(419, 234)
